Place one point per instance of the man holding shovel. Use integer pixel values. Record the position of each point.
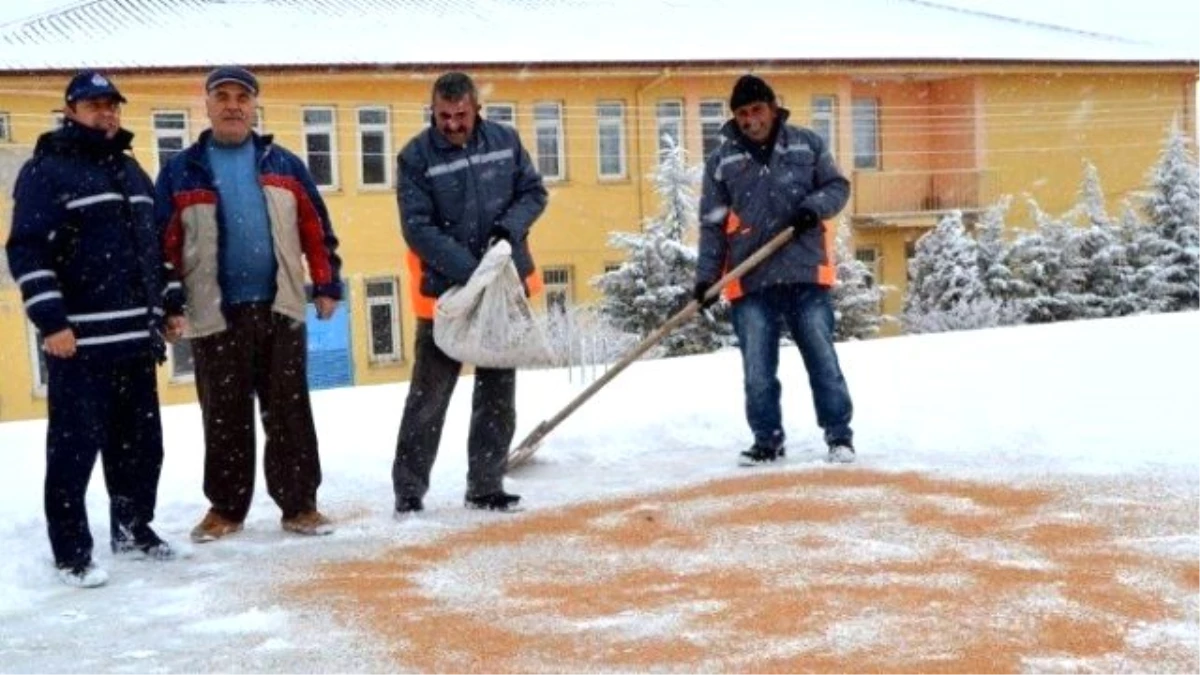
(765, 177)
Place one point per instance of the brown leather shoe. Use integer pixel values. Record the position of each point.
(309, 523)
(213, 527)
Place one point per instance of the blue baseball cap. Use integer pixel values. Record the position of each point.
(234, 74)
(91, 84)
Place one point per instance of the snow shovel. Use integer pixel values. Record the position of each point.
(520, 454)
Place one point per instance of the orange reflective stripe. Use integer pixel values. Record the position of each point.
(732, 224)
(733, 290)
(423, 305)
(827, 272)
(533, 282)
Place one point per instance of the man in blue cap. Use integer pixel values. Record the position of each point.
(249, 217)
(85, 252)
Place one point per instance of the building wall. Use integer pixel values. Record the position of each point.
(1028, 132)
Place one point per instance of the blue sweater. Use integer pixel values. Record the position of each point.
(247, 265)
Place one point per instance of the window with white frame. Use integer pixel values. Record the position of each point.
(869, 256)
(259, 120)
(712, 118)
(557, 281)
(57, 120)
(610, 138)
(824, 120)
(374, 147)
(37, 360)
(383, 312)
(320, 145)
(548, 132)
(504, 113)
(864, 113)
(170, 134)
(183, 367)
(5, 127)
(427, 114)
(669, 116)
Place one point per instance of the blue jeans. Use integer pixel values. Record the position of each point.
(808, 312)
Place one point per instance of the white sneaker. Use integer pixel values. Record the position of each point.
(841, 453)
(83, 576)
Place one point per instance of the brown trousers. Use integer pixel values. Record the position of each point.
(261, 354)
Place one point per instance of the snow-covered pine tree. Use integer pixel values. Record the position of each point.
(1142, 246)
(655, 280)
(1048, 272)
(1173, 208)
(945, 291)
(1097, 255)
(857, 298)
(992, 251)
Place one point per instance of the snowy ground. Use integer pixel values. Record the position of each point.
(1108, 407)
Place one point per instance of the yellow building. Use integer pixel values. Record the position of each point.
(917, 134)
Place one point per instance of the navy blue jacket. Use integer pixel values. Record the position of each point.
(84, 248)
(451, 198)
(748, 199)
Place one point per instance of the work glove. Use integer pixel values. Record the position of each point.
(699, 291)
(498, 234)
(805, 220)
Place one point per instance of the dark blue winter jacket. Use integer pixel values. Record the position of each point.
(451, 198)
(748, 199)
(84, 248)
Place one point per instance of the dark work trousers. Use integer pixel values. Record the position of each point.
(493, 421)
(108, 408)
(261, 354)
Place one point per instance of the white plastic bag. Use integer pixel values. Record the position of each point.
(488, 321)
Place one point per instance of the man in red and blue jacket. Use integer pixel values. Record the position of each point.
(84, 250)
(241, 216)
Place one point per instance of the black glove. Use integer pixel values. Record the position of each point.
(498, 234)
(805, 220)
(699, 291)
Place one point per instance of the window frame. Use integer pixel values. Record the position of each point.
(329, 128)
(710, 118)
(6, 134)
(872, 265)
(159, 134)
(604, 122)
(501, 105)
(874, 160)
(552, 289)
(39, 386)
(385, 128)
(555, 125)
(831, 117)
(393, 302)
(659, 120)
(175, 375)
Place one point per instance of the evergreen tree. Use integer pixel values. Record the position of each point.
(857, 298)
(945, 291)
(992, 249)
(1047, 272)
(1173, 208)
(655, 280)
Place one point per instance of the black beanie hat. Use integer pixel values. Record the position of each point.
(750, 89)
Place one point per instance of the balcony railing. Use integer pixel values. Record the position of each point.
(897, 194)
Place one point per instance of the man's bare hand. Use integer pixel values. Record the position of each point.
(325, 306)
(60, 344)
(175, 327)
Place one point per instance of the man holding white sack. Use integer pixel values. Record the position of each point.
(464, 184)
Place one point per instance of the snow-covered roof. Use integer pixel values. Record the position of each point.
(189, 33)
